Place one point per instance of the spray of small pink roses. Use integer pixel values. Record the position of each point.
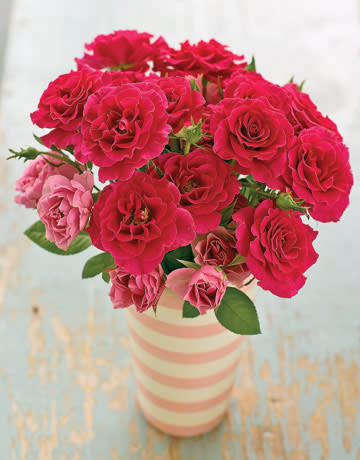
(204, 170)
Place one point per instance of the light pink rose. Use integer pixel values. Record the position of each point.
(143, 291)
(203, 288)
(65, 207)
(30, 184)
(219, 248)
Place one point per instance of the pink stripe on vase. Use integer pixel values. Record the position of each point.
(184, 358)
(185, 383)
(179, 331)
(182, 431)
(184, 407)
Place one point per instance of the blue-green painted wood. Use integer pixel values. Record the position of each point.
(66, 388)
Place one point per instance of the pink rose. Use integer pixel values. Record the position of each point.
(320, 174)
(122, 50)
(61, 106)
(30, 184)
(277, 246)
(211, 59)
(184, 104)
(218, 248)
(124, 127)
(143, 291)
(138, 221)
(251, 85)
(304, 113)
(203, 288)
(65, 207)
(206, 183)
(255, 134)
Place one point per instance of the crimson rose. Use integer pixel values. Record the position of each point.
(251, 85)
(122, 50)
(211, 59)
(206, 183)
(277, 246)
(184, 104)
(138, 221)
(304, 113)
(124, 127)
(319, 173)
(61, 106)
(255, 134)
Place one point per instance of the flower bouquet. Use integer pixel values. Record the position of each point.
(195, 177)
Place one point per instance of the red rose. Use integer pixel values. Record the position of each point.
(211, 59)
(303, 112)
(320, 174)
(218, 248)
(206, 183)
(143, 291)
(61, 106)
(251, 85)
(124, 127)
(122, 50)
(277, 246)
(138, 221)
(121, 77)
(255, 134)
(184, 104)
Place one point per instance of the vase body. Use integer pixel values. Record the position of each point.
(184, 367)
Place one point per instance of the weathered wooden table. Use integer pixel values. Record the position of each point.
(66, 387)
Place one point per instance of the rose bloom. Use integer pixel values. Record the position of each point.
(138, 221)
(184, 104)
(319, 173)
(251, 85)
(61, 106)
(143, 291)
(255, 134)
(212, 59)
(65, 207)
(304, 113)
(203, 288)
(277, 246)
(122, 50)
(206, 183)
(124, 127)
(117, 78)
(31, 182)
(218, 248)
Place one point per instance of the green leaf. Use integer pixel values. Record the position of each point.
(189, 264)
(171, 259)
(36, 233)
(300, 87)
(237, 260)
(237, 313)
(252, 66)
(38, 139)
(227, 213)
(97, 264)
(106, 277)
(189, 311)
(194, 85)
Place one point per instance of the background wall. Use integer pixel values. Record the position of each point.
(66, 388)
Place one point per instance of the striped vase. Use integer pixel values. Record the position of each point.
(184, 367)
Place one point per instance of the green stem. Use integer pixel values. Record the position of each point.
(187, 147)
